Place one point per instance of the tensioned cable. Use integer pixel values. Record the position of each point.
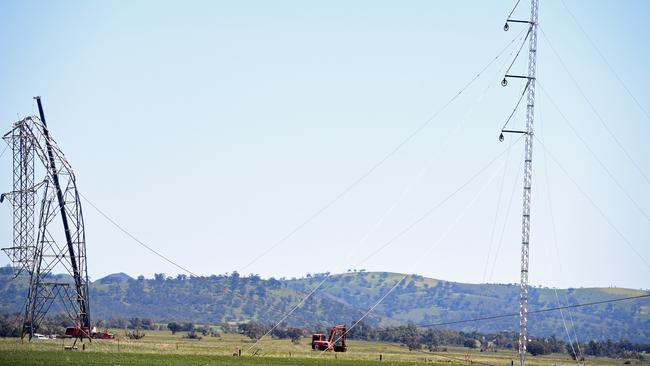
(593, 109)
(167, 259)
(399, 146)
(3, 150)
(505, 222)
(483, 292)
(435, 155)
(593, 153)
(393, 239)
(381, 161)
(602, 213)
(440, 239)
(520, 48)
(385, 215)
(433, 209)
(350, 187)
(533, 311)
(513, 9)
(605, 60)
(136, 239)
(516, 105)
(557, 248)
(320, 211)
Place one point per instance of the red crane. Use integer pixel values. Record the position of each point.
(335, 342)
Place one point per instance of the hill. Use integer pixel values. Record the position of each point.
(344, 298)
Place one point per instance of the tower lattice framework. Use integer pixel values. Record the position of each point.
(528, 167)
(528, 172)
(56, 243)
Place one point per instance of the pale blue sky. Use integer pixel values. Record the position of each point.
(210, 130)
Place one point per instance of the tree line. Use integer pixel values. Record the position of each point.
(410, 335)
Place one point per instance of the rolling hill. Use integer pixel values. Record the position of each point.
(344, 298)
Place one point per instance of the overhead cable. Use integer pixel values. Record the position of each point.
(593, 154)
(380, 162)
(605, 60)
(593, 203)
(593, 109)
(533, 311)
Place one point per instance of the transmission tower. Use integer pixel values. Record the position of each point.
(57, 247)
(528, 167)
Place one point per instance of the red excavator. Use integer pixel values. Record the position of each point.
(335, 342)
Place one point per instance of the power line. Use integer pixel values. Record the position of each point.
(175, 264)
(391, 241)
(320, 211)
(600, 211)
(557, 251)
(390, 209)
(533, 311)
(440, 239)
(4, 150)
(167, 259)
(593, 109)
(593, 154)
(605, 60)
(381, 161)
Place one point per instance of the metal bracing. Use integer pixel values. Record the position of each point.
(23, 198)
(528, 164)
(528, 172)
(60, 244)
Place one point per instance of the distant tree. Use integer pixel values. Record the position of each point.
(174, 327)
(134, 334)
(294, 334)
(252, 330)
(9, 326)
(536, 348)
(472, 343)
(273, 283)
(187, 327)
(431, 340)
(280, 331)
(193, 335)
(410, 337)
(555, 345)
(571, 347)
(412, 342)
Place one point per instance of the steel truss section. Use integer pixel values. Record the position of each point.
(528, 172)
(56, 248)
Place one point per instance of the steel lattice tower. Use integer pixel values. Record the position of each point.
(528, 167)
(528, 172)
(23, 198)
(56, 248)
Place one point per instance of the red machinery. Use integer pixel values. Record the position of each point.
(79, 332)
(103, 335)
(335, 342)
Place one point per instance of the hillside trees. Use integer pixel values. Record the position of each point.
(253, 330)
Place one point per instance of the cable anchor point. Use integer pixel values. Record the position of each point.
(504, 82)
(506, 26)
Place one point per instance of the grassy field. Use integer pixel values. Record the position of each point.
(162, 348)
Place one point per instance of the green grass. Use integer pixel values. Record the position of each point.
(37, 358)
(161, 348)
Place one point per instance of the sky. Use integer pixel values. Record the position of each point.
(273, 137)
